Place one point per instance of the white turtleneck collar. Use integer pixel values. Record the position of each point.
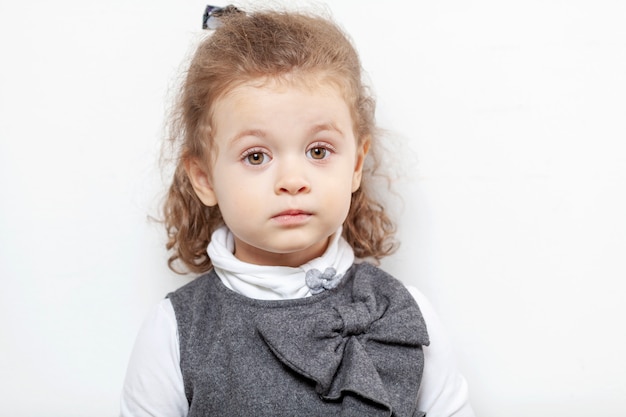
(273, 282)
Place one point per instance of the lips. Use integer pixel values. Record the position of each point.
(292, 217)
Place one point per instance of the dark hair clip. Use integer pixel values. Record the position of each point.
(211, 20)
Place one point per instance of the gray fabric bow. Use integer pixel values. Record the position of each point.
(318, 281)
(354, 352)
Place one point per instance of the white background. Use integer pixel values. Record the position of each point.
(513, 219)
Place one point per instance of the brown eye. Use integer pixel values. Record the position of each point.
(256, 158)
(318, 153)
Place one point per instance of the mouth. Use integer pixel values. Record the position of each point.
(292, 217)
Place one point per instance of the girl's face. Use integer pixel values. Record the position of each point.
(286, 163)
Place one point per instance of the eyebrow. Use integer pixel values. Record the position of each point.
(320, 127)
(247, 132)
(326, 126)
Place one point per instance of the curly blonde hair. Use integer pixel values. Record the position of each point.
(249, 46)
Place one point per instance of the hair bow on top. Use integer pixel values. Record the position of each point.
(210, 19)
(356, 352)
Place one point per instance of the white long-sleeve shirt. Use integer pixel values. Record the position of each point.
(154, 383)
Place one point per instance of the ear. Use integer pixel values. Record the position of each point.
(200, 181)
(361, 153)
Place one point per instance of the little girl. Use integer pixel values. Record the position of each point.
(270, 205)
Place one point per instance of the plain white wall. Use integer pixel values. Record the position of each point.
(514, 190)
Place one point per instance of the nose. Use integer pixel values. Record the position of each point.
(292, 179)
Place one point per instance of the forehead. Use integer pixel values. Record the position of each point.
(313, 82)
(265, 98)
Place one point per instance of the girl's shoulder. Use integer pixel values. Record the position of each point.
(193, 289)
(368, 277)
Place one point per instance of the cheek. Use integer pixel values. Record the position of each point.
(238, 196)
(338, 194)
(230, 184)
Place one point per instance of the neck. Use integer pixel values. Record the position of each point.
(252, 255)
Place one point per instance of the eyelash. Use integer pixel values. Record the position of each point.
(245, 156)
(327, 148)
